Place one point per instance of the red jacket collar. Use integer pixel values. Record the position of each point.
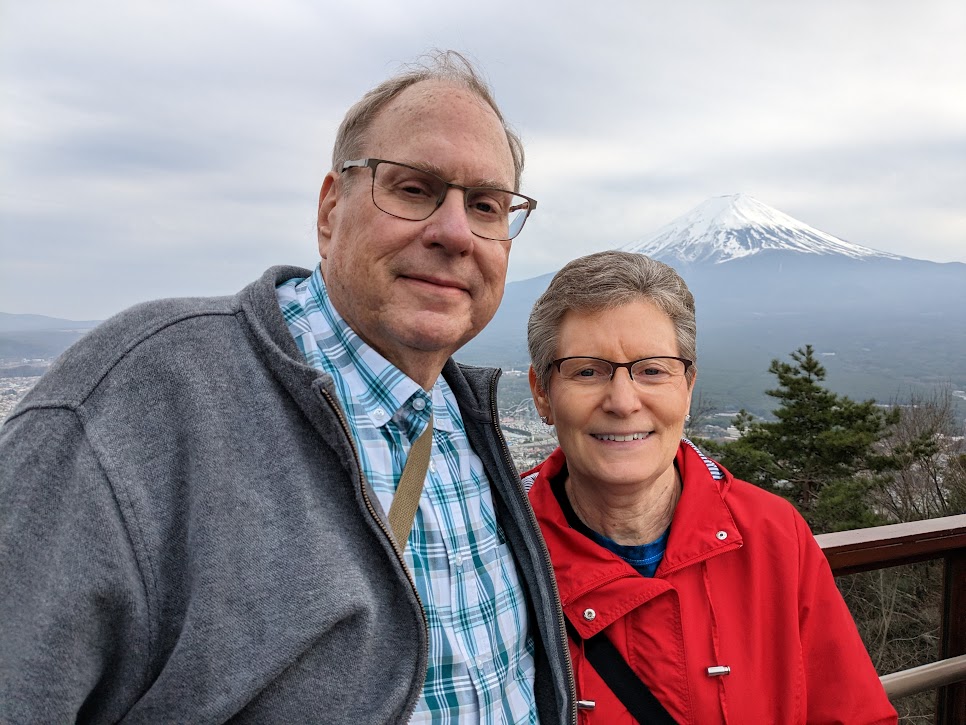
(702, 527)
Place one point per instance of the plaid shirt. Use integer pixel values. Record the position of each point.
(481, 665)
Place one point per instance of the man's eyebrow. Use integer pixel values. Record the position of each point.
(479, 181)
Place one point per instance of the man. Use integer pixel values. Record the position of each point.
(194, 500)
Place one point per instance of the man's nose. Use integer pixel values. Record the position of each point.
(449, 226)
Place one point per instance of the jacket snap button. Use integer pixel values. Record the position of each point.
(589, 615)
(722, 535)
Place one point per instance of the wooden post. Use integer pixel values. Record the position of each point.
(951, 699)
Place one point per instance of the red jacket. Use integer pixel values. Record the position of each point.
(743, 584)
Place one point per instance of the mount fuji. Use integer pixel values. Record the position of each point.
(728, 228)
(766, 284)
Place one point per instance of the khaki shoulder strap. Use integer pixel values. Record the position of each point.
(402, 511)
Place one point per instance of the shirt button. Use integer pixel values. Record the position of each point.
(722, 535)
(432, 466)
(419, 403)
(590, 615)
(458, 560)
(379, 413)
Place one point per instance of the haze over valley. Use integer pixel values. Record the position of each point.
(885, 326)
(766, 284)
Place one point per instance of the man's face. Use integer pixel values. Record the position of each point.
(417, 291)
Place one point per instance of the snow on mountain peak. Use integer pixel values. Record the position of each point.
(725, 228)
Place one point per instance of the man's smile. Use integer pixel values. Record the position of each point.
(437, 284)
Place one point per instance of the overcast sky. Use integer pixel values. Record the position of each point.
(175, 147)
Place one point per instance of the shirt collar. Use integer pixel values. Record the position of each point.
(381, 388)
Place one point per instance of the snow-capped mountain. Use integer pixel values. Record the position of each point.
(726, 228)
(764, 285)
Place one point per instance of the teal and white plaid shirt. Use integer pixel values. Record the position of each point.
(481, 665)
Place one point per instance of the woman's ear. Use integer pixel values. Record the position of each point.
(540, 398)
(687, 410)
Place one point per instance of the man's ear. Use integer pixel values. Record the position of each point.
(328, 196)
(540, 398)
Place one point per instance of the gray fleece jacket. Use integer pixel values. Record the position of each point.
(186, 536)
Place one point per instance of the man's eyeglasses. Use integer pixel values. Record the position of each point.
(409, 193)
(648, 371)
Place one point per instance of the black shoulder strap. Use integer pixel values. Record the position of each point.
(623, 682)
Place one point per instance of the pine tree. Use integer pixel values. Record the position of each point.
(819, 452)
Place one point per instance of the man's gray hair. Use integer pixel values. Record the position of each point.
(603, 281)
(448, 66)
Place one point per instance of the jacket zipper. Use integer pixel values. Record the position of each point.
(372, 512)
(561, 627)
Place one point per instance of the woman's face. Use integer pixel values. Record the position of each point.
(586, 416)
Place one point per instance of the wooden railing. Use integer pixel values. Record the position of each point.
(850, 552)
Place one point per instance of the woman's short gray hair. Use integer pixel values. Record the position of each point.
(439, 65)
(602, 281)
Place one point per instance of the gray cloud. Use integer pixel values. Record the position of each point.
(149, 149)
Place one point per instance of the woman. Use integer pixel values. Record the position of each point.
(712, 590)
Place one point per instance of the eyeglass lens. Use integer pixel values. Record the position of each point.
(412, 194)
(650, 371)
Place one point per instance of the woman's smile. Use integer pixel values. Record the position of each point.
(621, 437)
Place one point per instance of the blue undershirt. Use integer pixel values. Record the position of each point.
(645, 558)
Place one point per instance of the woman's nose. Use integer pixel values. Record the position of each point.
(623, 394)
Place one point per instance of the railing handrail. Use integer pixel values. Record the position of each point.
(849, 552)
(925, 677)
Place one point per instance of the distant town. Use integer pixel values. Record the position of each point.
(529, 440)
(16, 378)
